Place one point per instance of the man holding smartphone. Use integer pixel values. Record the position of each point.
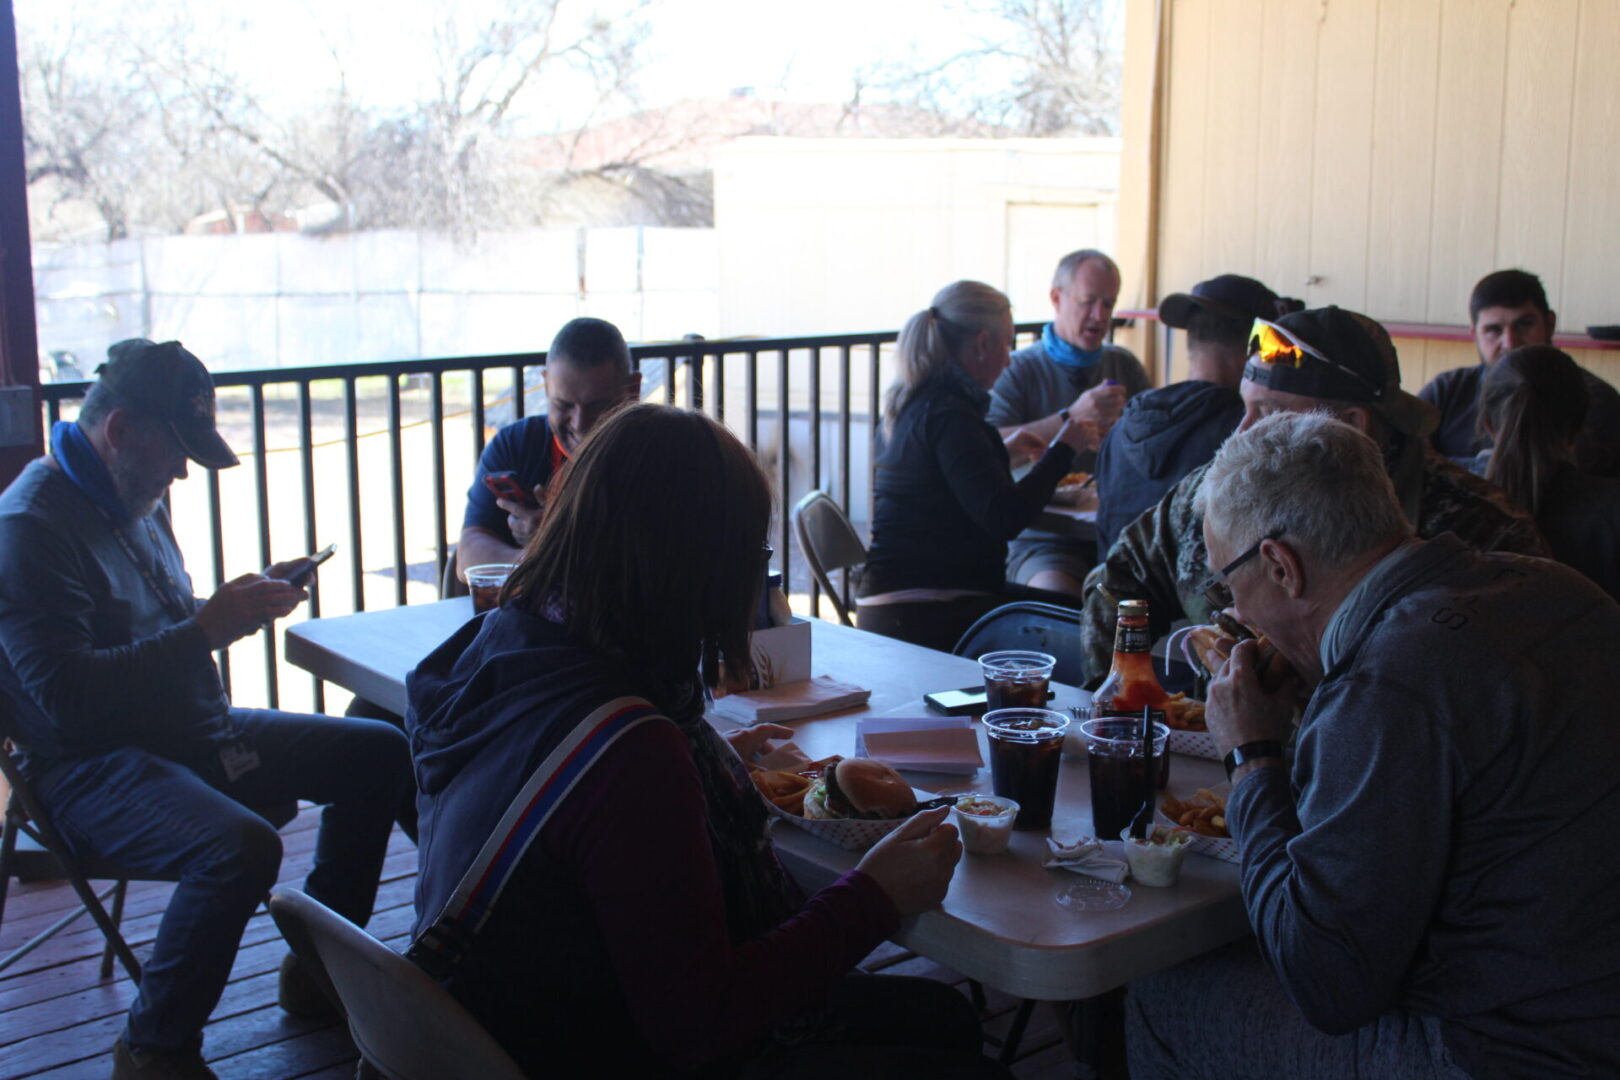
(587, 376)
(126, 732)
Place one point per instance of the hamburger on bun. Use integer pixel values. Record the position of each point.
(860, 788)
(1213, 645)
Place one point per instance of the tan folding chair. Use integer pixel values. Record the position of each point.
(830, 543)
(406, 1026)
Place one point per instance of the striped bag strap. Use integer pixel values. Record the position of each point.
(440, 947)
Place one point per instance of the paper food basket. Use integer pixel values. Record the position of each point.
(1200, 744)
(851, 835)
(1215, 847)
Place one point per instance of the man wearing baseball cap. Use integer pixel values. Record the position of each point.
(1326, 359)
(125, 729)
(1165, 434)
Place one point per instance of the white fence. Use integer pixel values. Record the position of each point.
(278, 300)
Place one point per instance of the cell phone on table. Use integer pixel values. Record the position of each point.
(303, 576)
(505, 486)
(965, 702)
(968, 701)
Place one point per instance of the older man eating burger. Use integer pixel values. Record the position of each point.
(1433, 881)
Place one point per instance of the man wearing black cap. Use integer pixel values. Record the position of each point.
(1165, 434)
(125, 729)
(1322, 359)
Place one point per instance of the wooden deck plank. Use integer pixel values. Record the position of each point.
(58, 1019)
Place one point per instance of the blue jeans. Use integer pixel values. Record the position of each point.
(1225, 1014)
(184, 818)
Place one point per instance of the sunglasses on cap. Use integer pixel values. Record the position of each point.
(1272, 344)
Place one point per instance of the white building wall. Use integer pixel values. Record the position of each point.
(836, 235)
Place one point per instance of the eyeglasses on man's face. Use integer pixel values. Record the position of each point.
(1218, 592)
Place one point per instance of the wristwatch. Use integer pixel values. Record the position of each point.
(1251, 751)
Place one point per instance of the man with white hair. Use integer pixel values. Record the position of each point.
(1074, 373)
(1432, 883)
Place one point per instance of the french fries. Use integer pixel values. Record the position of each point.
(786, 788)
(1184, 714)
(1203, 813)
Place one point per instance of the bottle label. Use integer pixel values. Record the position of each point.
(1131, 639)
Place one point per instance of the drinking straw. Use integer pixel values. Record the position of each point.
(1144, 817)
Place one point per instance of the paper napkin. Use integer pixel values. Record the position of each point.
(942, 744)
(790, 701)
(1085, 856)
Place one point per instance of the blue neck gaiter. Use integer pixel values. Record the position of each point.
(1066, 355)
(73, 451)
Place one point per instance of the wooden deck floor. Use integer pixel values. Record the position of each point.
(58, 1018)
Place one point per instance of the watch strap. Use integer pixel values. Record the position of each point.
(1251, 751)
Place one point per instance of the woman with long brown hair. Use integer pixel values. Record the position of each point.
(597, 883)
(1534, 404)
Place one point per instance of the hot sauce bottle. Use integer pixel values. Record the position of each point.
(1131, 685)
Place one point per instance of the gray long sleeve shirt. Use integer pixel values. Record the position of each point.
(1446, 842)
(91, 654)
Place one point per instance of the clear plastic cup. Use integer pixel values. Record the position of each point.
(1118, 771)
(985, 822)
(1016, 679)
(484, 582)
(1026, 747)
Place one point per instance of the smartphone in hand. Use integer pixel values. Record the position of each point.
(505, 486)
(307, 565)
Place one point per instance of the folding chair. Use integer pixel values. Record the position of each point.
(32, 849)
(1029, 624)
(830, 543)
(407, 1026)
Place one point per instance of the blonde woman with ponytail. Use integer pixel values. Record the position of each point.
(945, 502)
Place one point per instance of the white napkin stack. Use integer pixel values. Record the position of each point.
(1085, 856)
(942, 744)
(790, 701)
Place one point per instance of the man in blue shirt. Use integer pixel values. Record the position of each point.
(587, 376)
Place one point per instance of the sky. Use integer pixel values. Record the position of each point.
(698, 48)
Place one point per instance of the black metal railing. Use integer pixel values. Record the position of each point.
(493, 390)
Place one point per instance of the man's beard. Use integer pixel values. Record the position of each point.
(127, 481)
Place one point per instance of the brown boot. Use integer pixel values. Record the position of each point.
(129, 1064)
(301, 994)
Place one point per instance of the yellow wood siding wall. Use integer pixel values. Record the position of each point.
(1384, 154)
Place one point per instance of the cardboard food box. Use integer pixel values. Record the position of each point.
(781, 653)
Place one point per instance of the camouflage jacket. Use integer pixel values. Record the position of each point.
(1160, 557)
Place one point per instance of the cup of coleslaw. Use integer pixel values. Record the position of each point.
(985, 822)
(1156, 861)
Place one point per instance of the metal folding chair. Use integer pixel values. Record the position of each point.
(31, 849)
(830, 543)
(1029, 624)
